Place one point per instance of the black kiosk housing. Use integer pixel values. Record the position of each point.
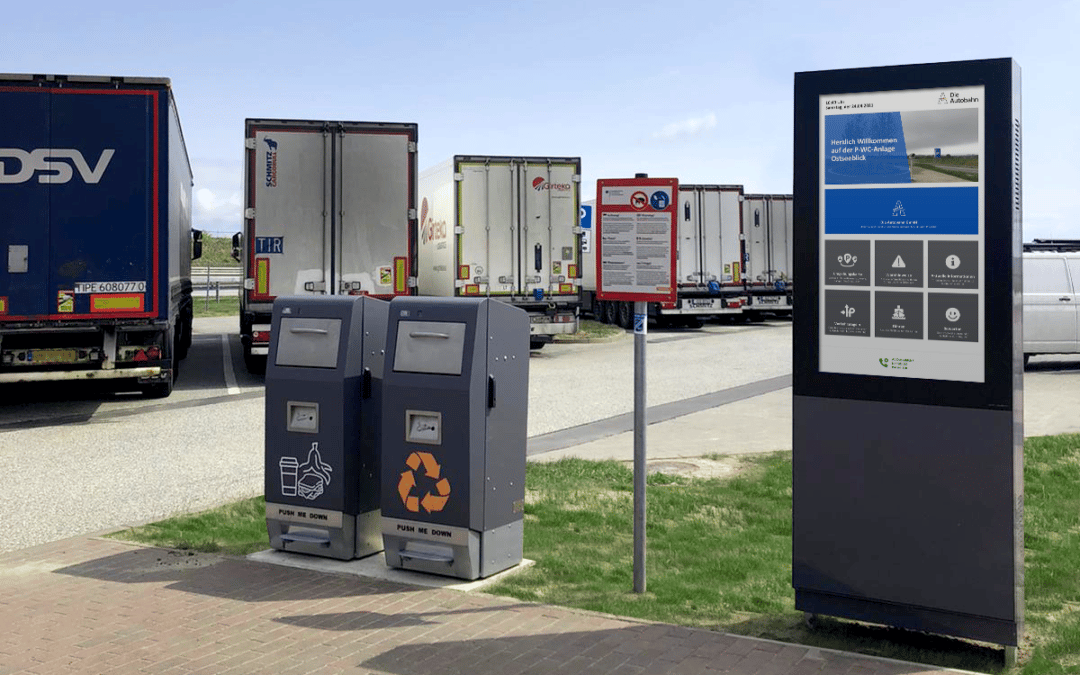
(908, 483)
(323, 395)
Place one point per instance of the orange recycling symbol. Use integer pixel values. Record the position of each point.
(430, 501)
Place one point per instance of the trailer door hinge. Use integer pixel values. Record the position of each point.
(250, 143)
(413, 283)
(412, 146)
(458, 229)
(249, 284)
(411, 215)
(459, 177)
(460, 283)
(579, 230)
(576, 178)
(249, 213)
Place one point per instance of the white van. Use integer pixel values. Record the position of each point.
(1051, 297)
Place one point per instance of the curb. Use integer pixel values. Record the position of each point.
(574, 340)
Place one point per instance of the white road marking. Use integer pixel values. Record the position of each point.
(227, 365)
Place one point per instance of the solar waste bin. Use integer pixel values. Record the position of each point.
(323, 386)
(455, 407)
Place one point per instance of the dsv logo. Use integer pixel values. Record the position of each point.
(19, 166)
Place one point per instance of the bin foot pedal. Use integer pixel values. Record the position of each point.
(306, 539)
(425, 555)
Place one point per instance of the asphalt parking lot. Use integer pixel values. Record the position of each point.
(86, 459)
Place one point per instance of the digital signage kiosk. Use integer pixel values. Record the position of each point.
(907, 410)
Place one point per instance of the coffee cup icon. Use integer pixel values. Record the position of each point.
(289, 468)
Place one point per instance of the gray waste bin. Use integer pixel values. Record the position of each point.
(323, 386)
(455, 407)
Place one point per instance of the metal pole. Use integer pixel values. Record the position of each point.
(640, 422)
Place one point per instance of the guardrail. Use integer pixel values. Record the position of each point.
(211, 281)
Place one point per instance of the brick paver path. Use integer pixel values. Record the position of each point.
(92, 606)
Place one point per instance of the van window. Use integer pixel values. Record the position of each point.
(1045, 275)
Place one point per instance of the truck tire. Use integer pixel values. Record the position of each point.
(611, 312)
(255, 364)
(626, 314)
(599, 310)
(184, 330)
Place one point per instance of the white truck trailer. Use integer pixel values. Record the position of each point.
(330, 209)
(767, 257)
(708, 262)
(506, 228)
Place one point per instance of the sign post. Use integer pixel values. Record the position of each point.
(908, 383)
(635, 262)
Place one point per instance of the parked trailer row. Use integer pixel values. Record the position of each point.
(732, 259)
(95, 221)
(339, 208)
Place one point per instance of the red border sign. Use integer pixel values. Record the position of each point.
(644, 200)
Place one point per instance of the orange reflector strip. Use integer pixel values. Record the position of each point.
(262, 276)
(463, 272)
(566, 288)
(116, 302)
(400, 274)
(571, 271)
(735, 272)
(472, 289)
(3, 305)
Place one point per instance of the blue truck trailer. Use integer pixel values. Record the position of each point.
(95, 229)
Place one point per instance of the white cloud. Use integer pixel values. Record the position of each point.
(688, 127)
(217, 211)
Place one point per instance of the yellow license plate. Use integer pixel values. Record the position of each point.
(55, 356)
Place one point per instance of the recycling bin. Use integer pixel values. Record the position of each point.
(455, 410)
(323, 390)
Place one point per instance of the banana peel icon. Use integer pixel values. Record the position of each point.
(432, 501)
(314, 474)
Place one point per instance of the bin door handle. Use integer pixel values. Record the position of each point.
(316, 331)
(491, 391)
(428, 334)
(365, 384)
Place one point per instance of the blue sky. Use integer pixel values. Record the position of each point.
(697, 90)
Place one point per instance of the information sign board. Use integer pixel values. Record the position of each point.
(900, 196)
(635, 240)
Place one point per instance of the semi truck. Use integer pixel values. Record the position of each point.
(708, 263)
(507, 228)
(767, 258)
(330, 209)
(95, 224)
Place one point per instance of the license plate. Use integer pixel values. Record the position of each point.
(54, 356)
(110, 287)
(700, 303)
(768, 301)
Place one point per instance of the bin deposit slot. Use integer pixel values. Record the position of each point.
(422, 426)
(302, 416)
(310, 343)
(429, 347)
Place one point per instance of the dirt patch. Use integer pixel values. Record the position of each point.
(696, 467)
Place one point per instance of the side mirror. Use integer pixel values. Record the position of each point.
(236, 239)
(196, 244)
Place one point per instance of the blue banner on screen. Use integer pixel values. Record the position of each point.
(865, 148)
(920, 211)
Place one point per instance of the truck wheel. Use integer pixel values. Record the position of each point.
(256, 365)
(163, 389)
(599, 310)
(611, 312)
(183, 336)
(626, 315)
(536, 344)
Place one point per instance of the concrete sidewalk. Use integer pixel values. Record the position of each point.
(87, 605)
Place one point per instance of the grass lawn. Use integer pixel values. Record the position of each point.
(227, 305)
(719, 555)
